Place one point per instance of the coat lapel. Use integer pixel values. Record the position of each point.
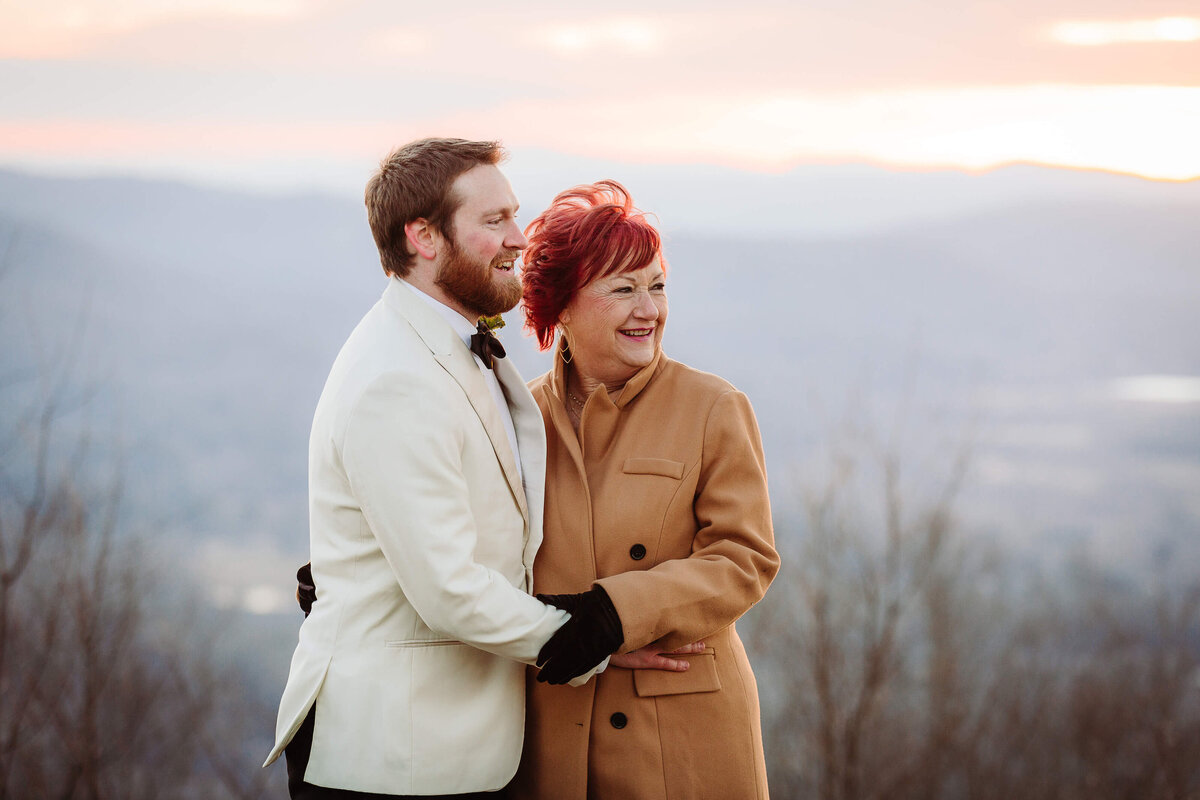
(456, 359)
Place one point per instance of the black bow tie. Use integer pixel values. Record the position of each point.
(485, 345)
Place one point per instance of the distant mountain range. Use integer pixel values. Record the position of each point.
(999, 308)
(828, 200)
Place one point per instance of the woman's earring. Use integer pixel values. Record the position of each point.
(565, 349)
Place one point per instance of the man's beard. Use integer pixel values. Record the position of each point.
(473, 284)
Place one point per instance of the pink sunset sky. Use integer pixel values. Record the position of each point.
(252, 90)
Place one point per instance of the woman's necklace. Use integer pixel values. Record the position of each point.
(575, 405)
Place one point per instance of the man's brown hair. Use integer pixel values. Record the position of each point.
(414, 182)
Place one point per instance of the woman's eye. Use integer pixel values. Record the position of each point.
(658, 287)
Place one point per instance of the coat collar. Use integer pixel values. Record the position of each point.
(452, 354)
(633, 387)
(601, 414)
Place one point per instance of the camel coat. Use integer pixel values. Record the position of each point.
(662, 500)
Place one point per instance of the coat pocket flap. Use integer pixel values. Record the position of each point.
(700, 677)
(653, 466)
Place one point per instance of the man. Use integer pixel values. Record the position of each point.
(426, 469)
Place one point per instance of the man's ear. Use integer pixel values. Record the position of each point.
(422, 237)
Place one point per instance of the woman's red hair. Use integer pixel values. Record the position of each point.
(588, 232)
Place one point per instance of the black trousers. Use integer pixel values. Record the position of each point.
(297, 753)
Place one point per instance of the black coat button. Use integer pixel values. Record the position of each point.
(618, 720)
(637, 552)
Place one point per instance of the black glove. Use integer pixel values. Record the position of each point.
(306, 588)
(567, 602)
(592, 632)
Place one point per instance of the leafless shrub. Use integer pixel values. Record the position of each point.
(100, 696)
(900, 659)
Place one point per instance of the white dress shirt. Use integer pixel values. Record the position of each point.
(465, 329)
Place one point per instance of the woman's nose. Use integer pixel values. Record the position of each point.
(646, 307)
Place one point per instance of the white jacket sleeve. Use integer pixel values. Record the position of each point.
(403, 456)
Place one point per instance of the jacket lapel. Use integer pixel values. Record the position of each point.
(461, 366)
(531, 442)
(456, 359)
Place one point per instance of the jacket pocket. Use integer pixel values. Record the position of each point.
(420, 642)
(653, 466)
(700, 677)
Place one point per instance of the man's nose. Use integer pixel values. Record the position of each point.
(515, 239)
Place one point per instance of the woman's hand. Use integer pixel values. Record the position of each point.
(651, 657)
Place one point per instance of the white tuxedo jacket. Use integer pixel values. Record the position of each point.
(422, 544)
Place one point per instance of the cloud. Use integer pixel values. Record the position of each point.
(1144, 130)
(766, 88)
(398, 42)
(612, 36)
(1138, 31)
(136, 13)
(35, 29)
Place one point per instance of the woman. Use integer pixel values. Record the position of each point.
(656, 492)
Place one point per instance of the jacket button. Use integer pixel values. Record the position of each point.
(637, 552)
(618, 720)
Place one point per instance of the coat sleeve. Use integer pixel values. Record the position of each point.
(403, 457)
(733, 557)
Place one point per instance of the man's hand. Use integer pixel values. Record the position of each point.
(592, 632)
(306, 588)
(651, 657)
